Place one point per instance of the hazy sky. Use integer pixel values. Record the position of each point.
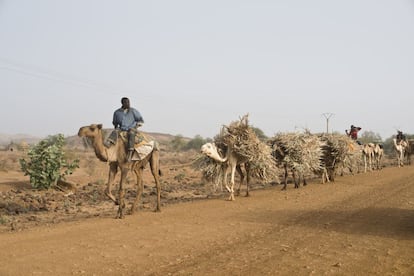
(192, 66)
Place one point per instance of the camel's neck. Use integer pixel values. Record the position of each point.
(99, 148)
(216, 156)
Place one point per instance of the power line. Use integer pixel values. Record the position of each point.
(53, 76)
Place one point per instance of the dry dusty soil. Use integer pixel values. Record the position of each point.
(358, 225)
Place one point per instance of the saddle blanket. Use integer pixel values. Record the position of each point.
(142, 150)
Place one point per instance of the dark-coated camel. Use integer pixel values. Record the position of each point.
(116, 156)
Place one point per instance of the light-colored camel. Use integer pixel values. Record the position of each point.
(368, 155)
(400, 151)
(378, 154)
(116, 156)
(231, 162)
(409, 150)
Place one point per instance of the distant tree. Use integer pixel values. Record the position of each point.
(177, 143)
(196, 143)
(260, 134)
(370, 137)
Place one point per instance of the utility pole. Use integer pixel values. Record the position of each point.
(327, 116)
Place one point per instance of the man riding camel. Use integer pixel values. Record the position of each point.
(400, 137)
(353, 132)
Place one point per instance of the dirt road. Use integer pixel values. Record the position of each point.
(359, 225)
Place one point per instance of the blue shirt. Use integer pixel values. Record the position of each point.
(126, 120)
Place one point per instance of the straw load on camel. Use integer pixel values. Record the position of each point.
(339, 151)
(299, 153)
(237, 145)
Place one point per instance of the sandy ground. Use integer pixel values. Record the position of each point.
(359, 225)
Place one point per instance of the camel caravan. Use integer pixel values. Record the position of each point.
(299, 155)
(237, 148)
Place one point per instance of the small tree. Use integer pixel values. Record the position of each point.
(177, 143)
(46, 163)
(370, 137)
(260, 134)
(196, 143)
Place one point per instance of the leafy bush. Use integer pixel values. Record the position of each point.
(47, 163)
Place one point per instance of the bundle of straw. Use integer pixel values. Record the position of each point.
(339, 150)
(300, 151)
(241, 139)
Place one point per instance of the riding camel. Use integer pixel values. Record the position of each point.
(400, 150)
(116, 156)
(231, 162)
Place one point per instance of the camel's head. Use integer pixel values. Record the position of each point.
(210, 150)
(91, 131)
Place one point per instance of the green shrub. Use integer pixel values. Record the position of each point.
(196, 143)
(46, 163)
(177, 143)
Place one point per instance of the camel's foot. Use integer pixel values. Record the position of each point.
(157, 210)
(132, 211)
(120, 215)
(231, 198)
(284, 188)
(111, 197)
(247, 194)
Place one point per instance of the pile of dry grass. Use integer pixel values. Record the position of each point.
(241, 139)
(300, 151)
(340, 150)
(210, 169)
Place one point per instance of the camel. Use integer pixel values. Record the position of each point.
(116, 156)
(367, 155)
(231, 162)
(400, 150)
(409, 151)
(378, 154)
(279, 156)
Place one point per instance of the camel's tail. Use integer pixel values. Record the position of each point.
(159, 172)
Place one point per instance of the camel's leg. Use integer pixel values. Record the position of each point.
(247, 167)
(124, 173)
(365, 162)
(113, 169)
(239, 170)
(138, 171)
(295, 179)
(155, 170)
(325, 176)
(370, 163)
(233, 172)
(286, 176)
